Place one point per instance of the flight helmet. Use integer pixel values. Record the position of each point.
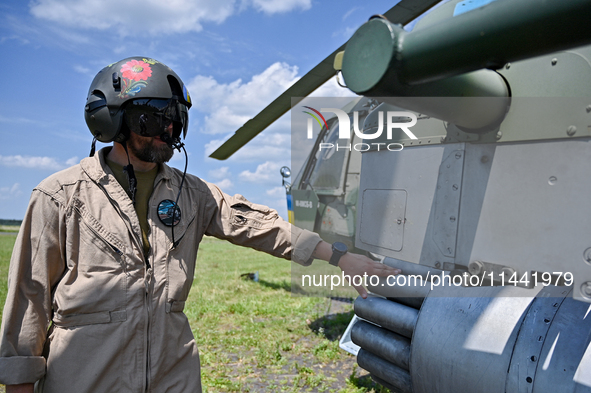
(136, 94)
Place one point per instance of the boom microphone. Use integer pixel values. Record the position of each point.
(174, 143)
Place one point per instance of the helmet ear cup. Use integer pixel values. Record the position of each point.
(103, 124)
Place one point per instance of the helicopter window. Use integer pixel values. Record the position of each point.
(328, 171)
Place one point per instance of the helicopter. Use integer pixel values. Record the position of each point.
(485, 205)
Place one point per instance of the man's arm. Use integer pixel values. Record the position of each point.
(248, 224)
(261, 228)
(355, 265)
(36, 265)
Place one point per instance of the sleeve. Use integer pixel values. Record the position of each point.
(256, 226)
(35, 267)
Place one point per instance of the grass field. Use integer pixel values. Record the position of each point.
(257, 336)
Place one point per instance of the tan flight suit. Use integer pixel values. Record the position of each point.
(118, 321)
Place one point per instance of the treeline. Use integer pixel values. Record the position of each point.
(10, 222)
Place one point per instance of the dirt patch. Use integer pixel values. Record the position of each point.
(296, 372)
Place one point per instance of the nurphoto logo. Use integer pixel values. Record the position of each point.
(394, 120)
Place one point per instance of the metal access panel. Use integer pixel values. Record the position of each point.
(409, 203)
(391, 231)
(527, 206)
(521, 206)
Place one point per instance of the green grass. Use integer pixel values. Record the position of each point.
(6, 245)
(257, 336)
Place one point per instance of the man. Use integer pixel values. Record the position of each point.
(106, 254)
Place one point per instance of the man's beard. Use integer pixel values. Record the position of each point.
(145, 150)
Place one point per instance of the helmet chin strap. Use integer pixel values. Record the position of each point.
(129, 172)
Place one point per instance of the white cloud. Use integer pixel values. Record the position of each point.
(11, 192)
(268, 171)
(279, 204)
(134, 17)
(83, 70)
(225, 184)
(269, 145)
(179, 158)
(221, 177)
(345, 33)
(276, 192)
(280, 6)
(138, 17)
(213, 144)
(220, 173)
(273, 144)
(15, 37)
(350, 12)
(20, 120)
(331, 88)
(229, 105)
(48, 163)
(72, 161)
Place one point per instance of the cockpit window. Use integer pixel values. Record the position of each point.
(328, 171)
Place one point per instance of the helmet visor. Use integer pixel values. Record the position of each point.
(151, 117)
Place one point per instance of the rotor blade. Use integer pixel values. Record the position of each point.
(403, 12)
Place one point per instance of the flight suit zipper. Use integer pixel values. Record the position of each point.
(149, 294)
(148, 301)
(148, 282)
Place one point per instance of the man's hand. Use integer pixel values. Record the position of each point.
(23, 388)
(356, 265)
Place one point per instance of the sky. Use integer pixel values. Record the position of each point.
(235, 57)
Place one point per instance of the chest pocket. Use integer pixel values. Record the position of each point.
(96, 280)
(98, 249)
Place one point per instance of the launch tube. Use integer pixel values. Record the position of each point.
(383, 343)
(389, 315)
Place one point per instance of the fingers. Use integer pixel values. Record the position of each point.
(361, 290)
(355, 265)
(379, 269)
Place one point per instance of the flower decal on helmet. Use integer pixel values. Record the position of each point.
(134, 76)
(136, 70)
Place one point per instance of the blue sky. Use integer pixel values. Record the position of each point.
(235, 56)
